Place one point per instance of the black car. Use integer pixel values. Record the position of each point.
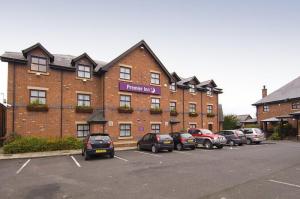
(98, 144)
(234, 137)
(183, 141)
(156, 142)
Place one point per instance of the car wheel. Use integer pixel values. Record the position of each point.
(154, 149)
(257, 142)
(207, 144)
(193, 148)
(231, 143)
(139, 147)
(179, 147)
(220, 147)
(170, 150)
(241, 144)
(82, 152)
(86, 156)
(249, 141)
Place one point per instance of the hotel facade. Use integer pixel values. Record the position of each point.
(54, 95)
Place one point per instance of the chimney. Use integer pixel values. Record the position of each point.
(264, 91)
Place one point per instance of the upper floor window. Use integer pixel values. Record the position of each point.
(125, 101)
(193, 126)
(125, 130)
(266, 108)
(83, 100)
(192, 108)
(209, 108)
(296, 105)
(192, 88)
(37, 97)
(172, 106)
(84, 71)
(173, 87)
(209, 91)
(155, 128)
(155, 103)
(155, 78)
(125, 73)
(38, 64)
(83, 130)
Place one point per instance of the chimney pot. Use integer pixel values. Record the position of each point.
(264, 91)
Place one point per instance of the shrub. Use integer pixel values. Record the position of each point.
(193, 114)
(84, 109)
(211, 115)
(156, 111)
(173, 113)
(36, 144)
(125, 109)
(276, 134)
(11, 137)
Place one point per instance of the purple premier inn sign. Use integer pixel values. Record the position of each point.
(129, 87)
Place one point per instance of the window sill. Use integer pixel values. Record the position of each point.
(155, 84)
(173, 91)
(192, 93)
(38, 73)
(84, 79)
(125, 80)
(125, 138)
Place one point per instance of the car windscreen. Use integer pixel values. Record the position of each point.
(186, 135)
(99, 138)
(239, 133)
(164, 137)
(206, 131)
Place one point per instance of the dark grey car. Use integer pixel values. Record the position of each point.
(234, 137)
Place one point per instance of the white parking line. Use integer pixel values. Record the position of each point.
(285, 183)
(121, 158)
(22, 167)
(155, 155)
(77, 163)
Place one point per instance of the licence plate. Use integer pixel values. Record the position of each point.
(100, 151)
(190, 140)
(167, 142)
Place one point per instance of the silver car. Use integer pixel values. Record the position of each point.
(254, 135)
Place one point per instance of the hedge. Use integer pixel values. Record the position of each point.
(36, 144)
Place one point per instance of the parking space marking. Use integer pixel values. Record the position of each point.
(77, 163)
(121, 158)
(285, 183)
(155, 155)
(22, 167)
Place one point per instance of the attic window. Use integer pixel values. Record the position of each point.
(192, 88)
(38, 64)
(172, 87)
(209, 91)
(84, 71)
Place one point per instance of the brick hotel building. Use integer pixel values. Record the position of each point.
(55, 95)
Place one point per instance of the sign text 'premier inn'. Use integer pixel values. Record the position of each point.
(124, 86)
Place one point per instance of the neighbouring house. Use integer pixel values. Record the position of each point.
(249, 123)
(2, 122)
(241, 119)
(55, 95)
(279, 107)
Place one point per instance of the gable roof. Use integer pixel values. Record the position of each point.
(242, 118)
(185, 81)
(73, 61)
(289, 91)
(142, 43)
(208, 82)
(37, 45)
(175, 76)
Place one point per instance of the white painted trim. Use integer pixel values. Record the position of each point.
(84, 92)
(210, 123)
(125, 65)
(37, 88)
(154, 96)
(193, 123)
(155, 122)
(173, 100)
(192, 102)
(155, 71)
(80, 122)
(125, 138)
(125, 80)
(124, 93)
(125, 122)
(210, 104)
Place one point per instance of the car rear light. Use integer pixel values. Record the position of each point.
(158, 138)
(111, 144)
(89, 145)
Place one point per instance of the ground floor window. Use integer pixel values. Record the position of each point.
(210, 127)
(193, 126)
(155, 128)
(83, 130)
(125, 130)
(296, 105)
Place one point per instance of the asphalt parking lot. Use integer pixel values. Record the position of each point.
(269, 170)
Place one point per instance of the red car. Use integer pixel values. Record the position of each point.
(207, 138)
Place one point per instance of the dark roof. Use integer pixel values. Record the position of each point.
(37, 45)
(287, 92)
(221, 115)
(175, 76)
(208, 83)
(60, 61)
(185, 81)
(142, 43)
(73, 61)
(242, 118)
(253, 120)
(97, 117)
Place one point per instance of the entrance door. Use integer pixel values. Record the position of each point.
(210, 127)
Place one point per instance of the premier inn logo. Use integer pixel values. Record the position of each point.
(137, 88)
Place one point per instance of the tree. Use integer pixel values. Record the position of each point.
(230, 122)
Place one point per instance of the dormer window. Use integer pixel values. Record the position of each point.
(172, 87)
(192, 88)
(84, 71)
(209, 91)
(38, 64)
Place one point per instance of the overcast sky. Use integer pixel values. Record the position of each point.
(242, 45)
